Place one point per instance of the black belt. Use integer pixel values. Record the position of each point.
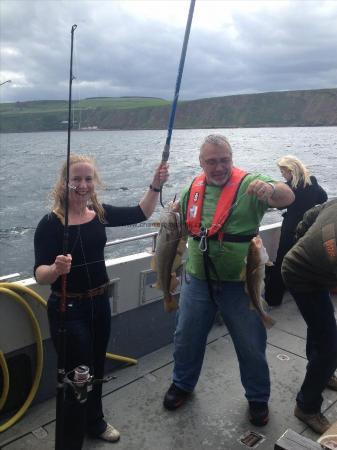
(229, 237)
(84, 295)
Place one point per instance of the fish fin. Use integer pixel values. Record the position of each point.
(179, 270)
(264, 303)
(268, 320)
(174, 283)
(176, 263)
(170, 304)
(154, 263)
(179, 254)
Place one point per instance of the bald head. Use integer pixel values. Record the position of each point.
(217, 140)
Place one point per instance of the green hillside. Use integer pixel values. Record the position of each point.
(271, 109)
(49, 115)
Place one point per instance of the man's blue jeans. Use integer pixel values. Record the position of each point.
(195, 318)
(318, 312)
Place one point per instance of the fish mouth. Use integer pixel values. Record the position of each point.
(257, 241)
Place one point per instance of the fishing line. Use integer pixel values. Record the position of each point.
(91, 301)
(78, 89)
(166, 243)
(86, 263)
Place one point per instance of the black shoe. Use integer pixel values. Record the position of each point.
(175, 397)
(258, 413)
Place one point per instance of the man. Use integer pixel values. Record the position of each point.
(309, 271)
(222, 210)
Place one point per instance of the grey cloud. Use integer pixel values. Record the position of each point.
(118, 54)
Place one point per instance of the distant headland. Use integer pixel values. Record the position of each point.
(305, 108)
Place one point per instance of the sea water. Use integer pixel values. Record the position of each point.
(30, 164)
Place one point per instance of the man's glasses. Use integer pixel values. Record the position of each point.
(218, 162)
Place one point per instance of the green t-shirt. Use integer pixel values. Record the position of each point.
(227, 257)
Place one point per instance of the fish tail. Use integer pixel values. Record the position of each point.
(268, 320)
(154, 264)
(170, 304)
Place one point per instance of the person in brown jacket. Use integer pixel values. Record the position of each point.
(309, 271)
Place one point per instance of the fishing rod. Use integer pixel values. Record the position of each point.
(166, 151)
(61, 334)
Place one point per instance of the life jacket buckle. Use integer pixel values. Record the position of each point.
(203, 239)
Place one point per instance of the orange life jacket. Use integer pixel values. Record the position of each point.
(223, 207)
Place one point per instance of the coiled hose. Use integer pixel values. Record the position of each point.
(9, 290)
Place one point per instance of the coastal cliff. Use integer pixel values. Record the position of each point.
(271, 109)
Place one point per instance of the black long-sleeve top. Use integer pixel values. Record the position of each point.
(305, 198)
(86, 245)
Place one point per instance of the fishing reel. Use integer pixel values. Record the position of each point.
(81, 382)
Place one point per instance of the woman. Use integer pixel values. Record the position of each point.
(88, 315)
(308, 193)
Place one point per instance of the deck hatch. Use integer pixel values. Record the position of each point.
(147, 293)
(251, 439)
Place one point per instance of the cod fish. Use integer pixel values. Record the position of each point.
(257, 259)
(167, 259)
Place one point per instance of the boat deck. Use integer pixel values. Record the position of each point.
(214, 418)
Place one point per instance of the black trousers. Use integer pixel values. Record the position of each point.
(87, 324)
(318, 312)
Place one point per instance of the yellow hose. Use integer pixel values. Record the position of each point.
(7, 289)
(5, 387)
(39, 358)
(21, 288)
(121, 358)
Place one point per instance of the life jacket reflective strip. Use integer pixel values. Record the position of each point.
(223, 207)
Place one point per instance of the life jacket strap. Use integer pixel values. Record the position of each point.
(226, 237)
(208, 267)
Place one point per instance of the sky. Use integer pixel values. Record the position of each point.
(133, 48)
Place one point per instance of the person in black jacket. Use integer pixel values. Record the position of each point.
(308, 193)
(87, 316)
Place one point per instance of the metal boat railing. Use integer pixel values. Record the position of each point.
(152, 235)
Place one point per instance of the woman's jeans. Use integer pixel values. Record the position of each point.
(87, 324)
(195, 318)
(318, 312)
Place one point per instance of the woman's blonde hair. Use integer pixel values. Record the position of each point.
(299, 173)
(59, 191)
